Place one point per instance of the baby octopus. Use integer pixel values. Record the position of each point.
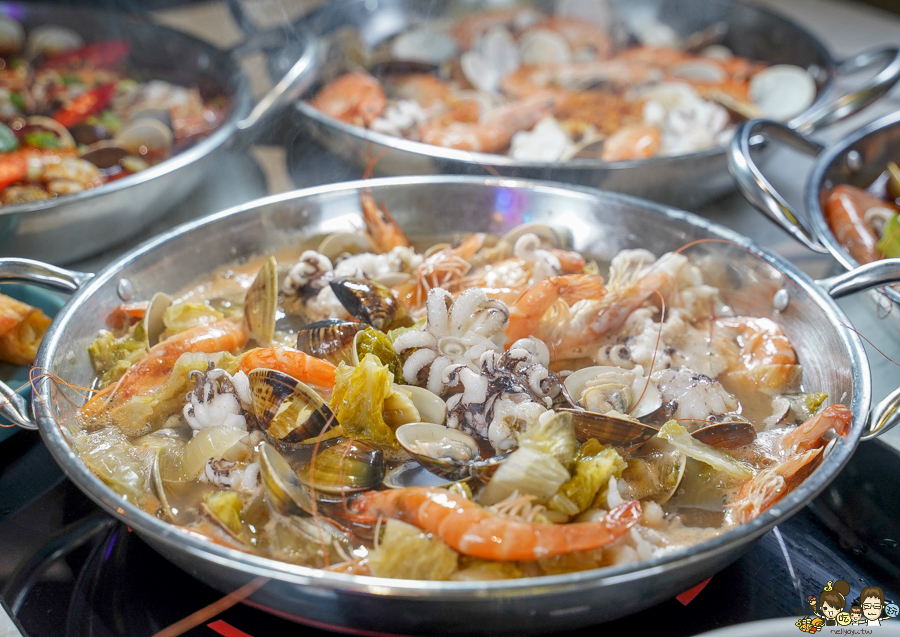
(216, 399)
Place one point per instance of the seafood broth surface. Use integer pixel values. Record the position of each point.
(330, 405)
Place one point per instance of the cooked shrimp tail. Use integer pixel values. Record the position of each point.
(305, 368)
(479, 532)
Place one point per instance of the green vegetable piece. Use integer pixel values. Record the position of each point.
(182, 316)
(595, 464)
(42, 139)
(8, 140)
(529, 471)
(377, 343)
(553, 434)
(226, 506)
(406, 552)
(723, 461)
(18, 100)
(68, 79)
(358, 400)
(889, 245)
(109, 121)
(113, 356)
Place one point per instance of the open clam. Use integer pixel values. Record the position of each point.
(331, 339)
(616, 431)
(145, 135)
(282, 487)
(347, 467)
(446, 452)
(413, 474)
(655, 472)
(289, 411)
(158, 486)
(369, 302)
(726, 435)
(345, 243)
(261, 304)
(154, 325)
(605, 388)
(40, 123)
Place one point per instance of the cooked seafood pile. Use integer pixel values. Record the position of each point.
(865, 222)
(22, 327)
(548, 88)
(73, 116)
(486, 408)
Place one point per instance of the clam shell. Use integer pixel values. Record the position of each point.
(413, 474)
(51, 40)
(662, 463)
(726, 435)
(426, 407)
(368, 301)
(783, 91)
(282, 487)
(65, 137)
(145, 134)
(153, 317)
(104, 154)
(650, 398)
(261, 303)
(550, 237)
(287, 410)
(542, 46)
(621, 433)
(339, 243)
(159, 489)
(12, 36)
(413, 434)
(331, 339)
(423, 45)
(353, 465)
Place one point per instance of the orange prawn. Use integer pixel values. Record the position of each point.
(845, 209)
(150, 373)
(445, 268)
(766, 354)
(353, 98)
(302, 366)
(804, 446)
(632, 142)
(479, 532)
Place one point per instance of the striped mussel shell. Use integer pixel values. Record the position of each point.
(289, 411)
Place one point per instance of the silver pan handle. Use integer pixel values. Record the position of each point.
(757, 189)
(886, 414)
(13, 406)
(298, 78)
(846, 105)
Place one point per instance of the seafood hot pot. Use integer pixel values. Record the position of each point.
(856, 160)
(75, 226)
(601, 223)
(685, 180)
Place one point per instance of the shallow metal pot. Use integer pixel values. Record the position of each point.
(856, 160)
(72, 227)
(601, 224)
(685, 180)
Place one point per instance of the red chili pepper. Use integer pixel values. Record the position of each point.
(13, 168)
(102, 55)
(88, 103)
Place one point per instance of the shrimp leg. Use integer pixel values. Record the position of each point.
(473, 530)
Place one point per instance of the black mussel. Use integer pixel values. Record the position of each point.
(289, 411)
(331, 339)
(370, 302)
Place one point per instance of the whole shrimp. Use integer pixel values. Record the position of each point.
(305, 368)
(445, 269)
(479, 532)
(801, 447)
(845, 209)
(150, 374)
(353, 98)
(766, 354)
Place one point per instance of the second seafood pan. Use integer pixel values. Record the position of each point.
(850, 199)
(637, 96)
(108, 122)
(832, 371)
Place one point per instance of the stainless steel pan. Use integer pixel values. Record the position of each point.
(686, 180)
(72, 227)
(856, 160)
(602, 224)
